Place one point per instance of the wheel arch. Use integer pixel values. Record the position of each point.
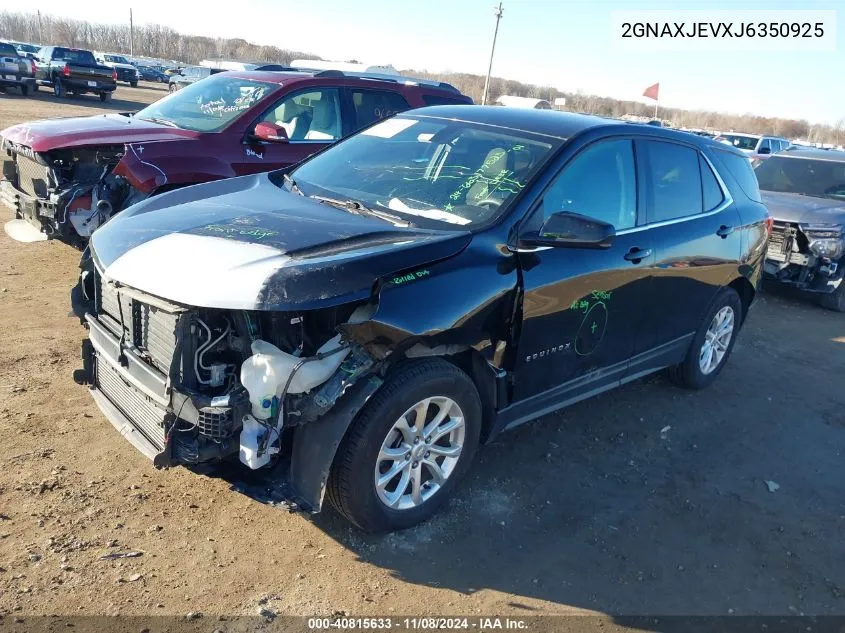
(746, 292)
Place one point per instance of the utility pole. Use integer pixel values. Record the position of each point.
(131, 35)
(40, 33)
(498, 11)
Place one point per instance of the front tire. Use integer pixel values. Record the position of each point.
(712, 345)
(406, 451)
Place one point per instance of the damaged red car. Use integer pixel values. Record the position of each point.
(65, 177)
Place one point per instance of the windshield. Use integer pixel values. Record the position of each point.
(28, 48)
(820, 178)
(740, 142)
(208, 105)
(432, 172)
(74, 55)
(116, 59)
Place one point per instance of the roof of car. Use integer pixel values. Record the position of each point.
(814, 153)
(554, 123)
(301, 74)
(548, 122)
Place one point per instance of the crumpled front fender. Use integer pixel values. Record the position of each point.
(150, 166)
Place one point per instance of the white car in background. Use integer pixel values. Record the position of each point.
(755, 145)
(125, 71)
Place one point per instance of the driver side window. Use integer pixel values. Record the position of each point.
(600, 182)
(308, 116)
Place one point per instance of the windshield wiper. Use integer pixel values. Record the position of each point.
(294, 188)
(166, 122)
(353, 206)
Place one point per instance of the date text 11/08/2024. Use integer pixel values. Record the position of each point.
(418, 623)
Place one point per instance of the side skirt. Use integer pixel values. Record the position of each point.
(591, 384)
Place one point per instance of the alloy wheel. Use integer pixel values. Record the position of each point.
(420, 452)
(717, 339)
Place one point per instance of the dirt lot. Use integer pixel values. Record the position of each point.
(648, 500)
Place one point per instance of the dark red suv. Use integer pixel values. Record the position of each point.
(65, 177)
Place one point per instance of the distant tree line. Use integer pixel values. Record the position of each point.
(150, 40)
(162, 42)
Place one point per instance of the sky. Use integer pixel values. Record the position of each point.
(564, 43)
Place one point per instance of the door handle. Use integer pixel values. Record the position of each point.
(724, 231)
(636, 255)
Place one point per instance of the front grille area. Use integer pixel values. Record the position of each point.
(32, 177)
(785, 240)
(148, 328)
(146, 415)
(124, 74)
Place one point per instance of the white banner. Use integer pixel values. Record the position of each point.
(724, 30)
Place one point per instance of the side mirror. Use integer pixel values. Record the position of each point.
(270, 132)
(571, 230)
(764, 150)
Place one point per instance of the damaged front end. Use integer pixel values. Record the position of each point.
(806, 256)
(190, 385)
(63, 193)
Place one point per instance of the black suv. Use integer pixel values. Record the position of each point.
(357, 325)
(804, 189)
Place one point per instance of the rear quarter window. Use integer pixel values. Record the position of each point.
(740, 168)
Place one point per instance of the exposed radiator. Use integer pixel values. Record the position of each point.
(148, 328)
(32, 177)
(147, 416)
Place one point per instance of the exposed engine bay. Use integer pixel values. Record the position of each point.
(66, 193)
(803, 258)
(200, 385)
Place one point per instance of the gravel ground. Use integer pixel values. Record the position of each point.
(647, 500)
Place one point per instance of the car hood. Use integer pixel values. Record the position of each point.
(793, 207)
(105, 129)
(246, 244)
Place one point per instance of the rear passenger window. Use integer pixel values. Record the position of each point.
(710, 188)
(374, 105)
(675, 181)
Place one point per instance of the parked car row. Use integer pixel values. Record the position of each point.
(21, 54)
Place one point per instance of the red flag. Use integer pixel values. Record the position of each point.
(651, 91)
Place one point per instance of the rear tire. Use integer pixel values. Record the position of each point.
(105, 96)
(24, 91)
(711, 347)
(134, 84)
(58, 89)
(453, 416)
(835, 300)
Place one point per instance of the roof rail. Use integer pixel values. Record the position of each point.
(399, 79)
